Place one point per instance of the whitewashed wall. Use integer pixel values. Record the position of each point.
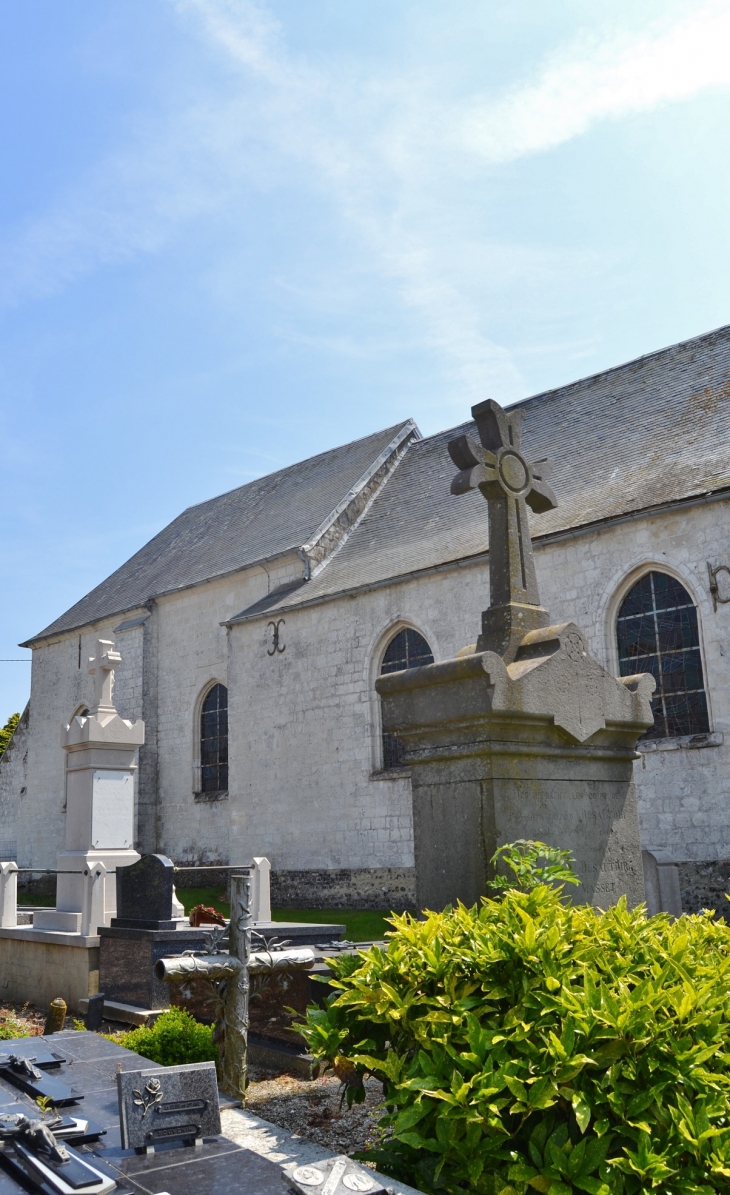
(304, 724)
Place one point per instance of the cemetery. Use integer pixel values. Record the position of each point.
(546, 1019)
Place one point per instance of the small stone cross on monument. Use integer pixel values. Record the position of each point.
(497, 467)
(101, 667)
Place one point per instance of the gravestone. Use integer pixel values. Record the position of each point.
(143, 931)
(144, 894)
(168, 1103)
(95, 1012)
(24, 1072)
(523, 734)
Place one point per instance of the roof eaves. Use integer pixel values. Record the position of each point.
(705, 496)
(241, 568)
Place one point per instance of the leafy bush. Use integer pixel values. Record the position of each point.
(530, 1045)
(7, 731)
(531, 863)
(175, 1038)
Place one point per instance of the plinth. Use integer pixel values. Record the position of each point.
(540, 748)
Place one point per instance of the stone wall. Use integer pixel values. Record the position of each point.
(192, 649)
(345, 888)
(705, 885)
(306, 786)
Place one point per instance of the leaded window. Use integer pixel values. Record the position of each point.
(214, 741)
(657, 632)
(407, 649)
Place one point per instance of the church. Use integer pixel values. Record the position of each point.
(252, 630)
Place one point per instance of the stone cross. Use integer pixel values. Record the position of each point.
(510, 483)
(101, 667)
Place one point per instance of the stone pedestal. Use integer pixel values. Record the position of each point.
(101, 752)
(539, 748)
(127, 960)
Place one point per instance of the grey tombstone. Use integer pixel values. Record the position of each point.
(168, 1103)
(523, 734)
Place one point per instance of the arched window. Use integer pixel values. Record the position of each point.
(407, 649)
(657, 632)
(214, 741)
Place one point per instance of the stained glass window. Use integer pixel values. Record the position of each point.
(214, 741)
(657, 632)
(407, 649)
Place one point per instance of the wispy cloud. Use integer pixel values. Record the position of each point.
(381, 151)
(592, 80)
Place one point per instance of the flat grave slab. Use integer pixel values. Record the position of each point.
(94, 1064)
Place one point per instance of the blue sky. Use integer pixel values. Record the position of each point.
(235, 234)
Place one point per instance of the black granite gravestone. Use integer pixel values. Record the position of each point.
(168, 1103)
(95, 1012)
(218, 1165)
(144, 894)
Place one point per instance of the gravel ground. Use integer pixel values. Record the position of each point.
(313, 1109)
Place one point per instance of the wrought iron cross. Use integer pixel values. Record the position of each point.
(510, 483)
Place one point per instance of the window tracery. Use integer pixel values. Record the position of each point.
(407, 649)
(214, 741)
(657, 632)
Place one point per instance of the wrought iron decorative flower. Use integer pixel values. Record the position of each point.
(151, 1095)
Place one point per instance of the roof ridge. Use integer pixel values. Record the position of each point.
(590, 377)
(602, 373)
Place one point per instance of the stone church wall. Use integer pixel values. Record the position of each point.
(192, 651)
(683, 786)
(306, 787)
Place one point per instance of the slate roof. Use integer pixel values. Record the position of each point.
(653, 431)
(255, 522)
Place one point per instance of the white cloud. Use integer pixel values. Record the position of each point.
(591, 81)
(380, 151)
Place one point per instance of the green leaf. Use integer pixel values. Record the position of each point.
(582, 1110)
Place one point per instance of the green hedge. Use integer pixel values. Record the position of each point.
(530, 1045)
(175, 1038)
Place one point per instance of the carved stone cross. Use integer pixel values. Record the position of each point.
(101, 667)
(510, 483)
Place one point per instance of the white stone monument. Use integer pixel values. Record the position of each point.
(101, 750)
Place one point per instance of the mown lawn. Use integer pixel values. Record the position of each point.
(361, 925)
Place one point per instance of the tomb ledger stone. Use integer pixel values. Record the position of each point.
(522, 735)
